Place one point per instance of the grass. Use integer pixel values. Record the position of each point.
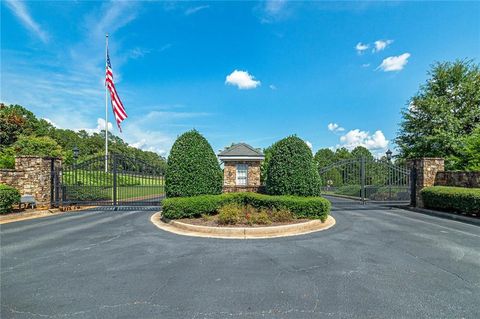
(100, 178)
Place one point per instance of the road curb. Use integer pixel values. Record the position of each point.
(444, 215)
(18, 217)
(241, 232)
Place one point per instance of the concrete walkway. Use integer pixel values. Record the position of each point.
(375, 263)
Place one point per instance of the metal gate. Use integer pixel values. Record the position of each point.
(125, 182)
(368, 180)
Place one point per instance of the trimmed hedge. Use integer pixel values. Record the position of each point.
(291, 170)
(192, 167)
(190, 207)
(8, 197)
(452, 199)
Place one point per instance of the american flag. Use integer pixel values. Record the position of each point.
(117, 106)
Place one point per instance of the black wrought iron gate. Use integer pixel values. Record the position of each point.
(369, 180)
(116, 181)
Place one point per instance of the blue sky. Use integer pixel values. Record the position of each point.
(334, 73)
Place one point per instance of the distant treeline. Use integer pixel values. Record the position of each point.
(22, 133)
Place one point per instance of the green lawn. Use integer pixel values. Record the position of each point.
(100, 178)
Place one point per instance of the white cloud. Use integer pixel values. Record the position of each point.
(273, 87)
(365, 65)
(394, 63)
(334, 127)
(242, 79)
(100, 127)
(194, 10)
(273, 10)
(20, 10)
(381, 45)
(356, 138)
(360, 47)
(309, 144)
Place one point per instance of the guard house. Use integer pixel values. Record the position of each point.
(241, 171)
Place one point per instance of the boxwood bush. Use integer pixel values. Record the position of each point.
(8, 197)
(192, 167)
(301, 207)
(452, 199)
(291, 170)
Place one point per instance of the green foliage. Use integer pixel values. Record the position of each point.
(470, 158)
(361, 152)
(300, 207)
(21, 128)
(193, 168)
(342, 154)
(281, 215)
(444, 112)
(39, 146)
(291, 170)
(452, 199)
(9, 196)
(267, 152)
(229, 214)
(85, 194)
(324, 157)
(349, 190)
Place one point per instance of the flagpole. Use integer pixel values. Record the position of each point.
(106, 106)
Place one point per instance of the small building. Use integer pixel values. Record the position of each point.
(241, 171)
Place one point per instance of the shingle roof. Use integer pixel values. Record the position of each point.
(241, 149)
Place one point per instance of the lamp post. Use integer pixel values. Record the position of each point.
(389, 155)
(389, 159)
(75, 157)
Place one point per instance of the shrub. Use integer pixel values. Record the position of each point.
(192, 167)
(281, 215)
(291, 170)
(8, 197)
(260, 218)
(300, 207)
(79, 193)
(453, 199)
(229, 214)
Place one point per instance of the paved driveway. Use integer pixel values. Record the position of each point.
(375, 263)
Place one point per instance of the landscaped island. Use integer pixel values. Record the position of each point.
(245, 209)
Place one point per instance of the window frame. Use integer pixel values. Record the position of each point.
(243, 167)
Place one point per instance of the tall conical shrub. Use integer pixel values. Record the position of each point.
(291, 170)
(192, 167)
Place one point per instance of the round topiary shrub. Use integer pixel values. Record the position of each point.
(291, 170)
(192, 167)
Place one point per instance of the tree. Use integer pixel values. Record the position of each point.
(324, 157)
(342, 154)
(470, 158)
(291, 170)
(192, 167)
(39, 146)
(444, 110)
(267, 152)
(362, 152)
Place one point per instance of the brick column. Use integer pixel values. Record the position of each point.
(424, 172)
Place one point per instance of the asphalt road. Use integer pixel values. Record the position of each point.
(375, 263)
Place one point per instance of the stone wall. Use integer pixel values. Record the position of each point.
(230, 175)
(458, 179)
(32, 176)
(425, 171)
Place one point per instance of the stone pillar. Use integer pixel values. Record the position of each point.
(424, 172)
(32, 176)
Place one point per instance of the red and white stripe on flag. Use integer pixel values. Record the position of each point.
(117, 105)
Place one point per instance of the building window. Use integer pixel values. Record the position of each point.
(242, 174)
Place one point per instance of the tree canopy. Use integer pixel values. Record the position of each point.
(22, 133)
(443, 114)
